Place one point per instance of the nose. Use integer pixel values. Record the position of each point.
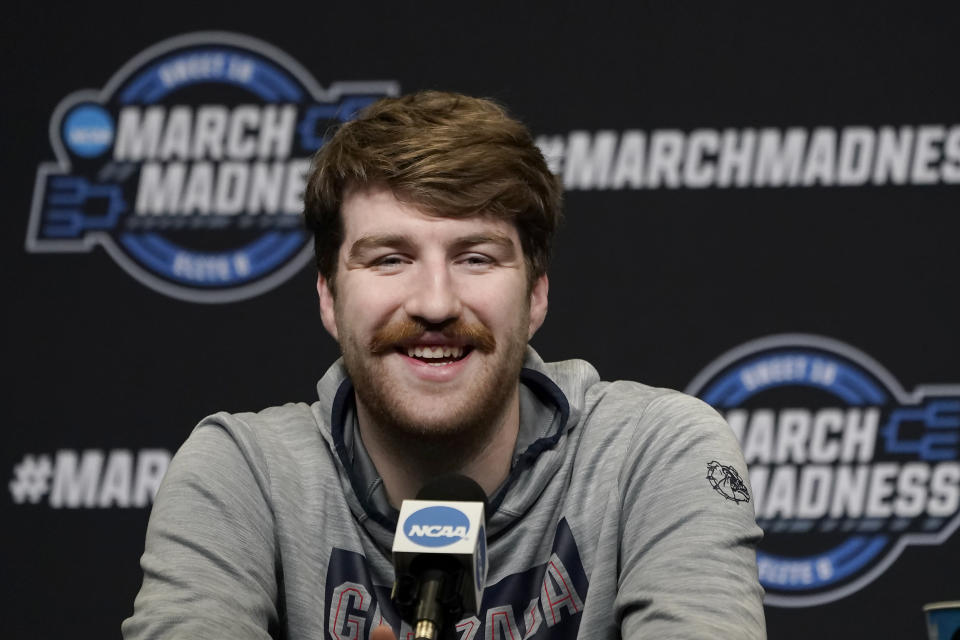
(433, 295)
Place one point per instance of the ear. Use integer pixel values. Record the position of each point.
(327, 312)
(538, 304)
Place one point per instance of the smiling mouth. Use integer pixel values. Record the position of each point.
(436, 356)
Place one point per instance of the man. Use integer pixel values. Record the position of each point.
(433, 216)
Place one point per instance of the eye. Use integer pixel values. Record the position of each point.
(476, 260)
(391, 262)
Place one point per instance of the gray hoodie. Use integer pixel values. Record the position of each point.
(626, 513)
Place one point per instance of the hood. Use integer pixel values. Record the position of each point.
(552, 397)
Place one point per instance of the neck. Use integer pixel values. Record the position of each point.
(405, 466)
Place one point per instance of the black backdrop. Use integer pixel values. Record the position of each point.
(648, 284)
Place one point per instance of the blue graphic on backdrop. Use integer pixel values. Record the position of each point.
(189, 166)
(847, 469)
(88, 130)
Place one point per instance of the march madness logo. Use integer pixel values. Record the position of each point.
(189, 166)
(847, 468)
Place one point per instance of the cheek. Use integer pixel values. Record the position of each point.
(500, 308)
(364, 305)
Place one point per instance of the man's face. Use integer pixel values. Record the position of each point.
(432, 315)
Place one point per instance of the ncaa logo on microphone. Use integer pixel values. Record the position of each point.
(436, 526)
(188, 167)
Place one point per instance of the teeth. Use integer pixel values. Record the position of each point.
(434, 352)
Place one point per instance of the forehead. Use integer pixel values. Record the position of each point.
(377, 211)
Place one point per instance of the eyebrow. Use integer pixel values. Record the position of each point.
(377, 241)
(495, 238)
(405, 242)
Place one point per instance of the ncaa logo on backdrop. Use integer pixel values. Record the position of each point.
(189, 166)
(436, 526)
(847, 468)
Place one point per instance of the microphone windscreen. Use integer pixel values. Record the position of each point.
(456, 487)
(453, 486)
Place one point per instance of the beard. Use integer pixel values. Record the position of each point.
(439, 429)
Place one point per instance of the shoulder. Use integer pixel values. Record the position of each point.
(583, 388)
(673, 441)
(648, 408)
(286, 425)
(656, 426)
(277, 440)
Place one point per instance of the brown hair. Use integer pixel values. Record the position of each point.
(451, 155)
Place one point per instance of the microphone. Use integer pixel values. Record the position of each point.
(440, 556)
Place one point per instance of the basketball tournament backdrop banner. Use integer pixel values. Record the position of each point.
(761, 210)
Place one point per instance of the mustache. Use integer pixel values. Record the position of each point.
(407, 330)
